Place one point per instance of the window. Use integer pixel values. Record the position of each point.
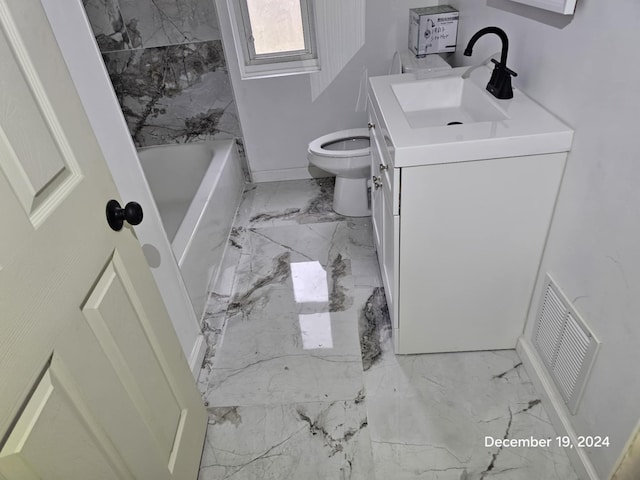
(274, 37)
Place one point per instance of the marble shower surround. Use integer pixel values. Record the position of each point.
(328, 399)
(174, 94)
(167, 67)
(128, 24)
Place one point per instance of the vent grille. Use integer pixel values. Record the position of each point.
(565, 344)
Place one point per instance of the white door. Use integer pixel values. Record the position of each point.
(93, 382)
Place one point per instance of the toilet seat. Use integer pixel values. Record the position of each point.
(316, 146)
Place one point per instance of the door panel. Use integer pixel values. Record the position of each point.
(75, 296)
(117, 318)
(56, 410)
(38, 171)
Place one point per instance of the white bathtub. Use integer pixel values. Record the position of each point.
(197, 188)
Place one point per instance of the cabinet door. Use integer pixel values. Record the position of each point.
(390, 255)
(471, 241)
(376, 197)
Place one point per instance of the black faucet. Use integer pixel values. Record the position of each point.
(500, 83)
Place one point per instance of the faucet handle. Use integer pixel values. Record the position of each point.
(500, 82)
(504, 67)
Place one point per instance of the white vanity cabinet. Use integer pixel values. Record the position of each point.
(459, 243)
(384, 213)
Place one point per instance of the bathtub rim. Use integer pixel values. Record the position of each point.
(195, 246)
(221, 151)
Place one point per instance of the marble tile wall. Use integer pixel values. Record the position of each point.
(167, 67)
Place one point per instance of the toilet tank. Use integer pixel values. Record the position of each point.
(429, 63)
(407, 62)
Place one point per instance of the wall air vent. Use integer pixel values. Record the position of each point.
(564, 342)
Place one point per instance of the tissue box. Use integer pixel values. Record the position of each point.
(433, 30)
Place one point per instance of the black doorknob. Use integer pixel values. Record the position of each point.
(116, 215)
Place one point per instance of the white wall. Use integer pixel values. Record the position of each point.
(587, 73)
(277, 115)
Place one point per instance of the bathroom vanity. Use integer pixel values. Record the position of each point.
(460, 212)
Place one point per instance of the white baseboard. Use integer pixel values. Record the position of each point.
(555, 408)
(197, 356)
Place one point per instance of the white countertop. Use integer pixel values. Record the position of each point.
(528, 128)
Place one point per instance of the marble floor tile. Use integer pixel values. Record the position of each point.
(214, 319)
(278, 334)
(290, 312)
(285, 203)
(301, 380)
(429, 415)
(322, 440)
(282, 379)
(296, 253)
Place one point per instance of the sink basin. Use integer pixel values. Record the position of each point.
(445, 101)
(449, 116)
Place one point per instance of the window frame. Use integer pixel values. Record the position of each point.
(253, 65)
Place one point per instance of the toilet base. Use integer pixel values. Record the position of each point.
(351, 197)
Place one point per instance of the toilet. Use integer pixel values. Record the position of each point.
(346, 153)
